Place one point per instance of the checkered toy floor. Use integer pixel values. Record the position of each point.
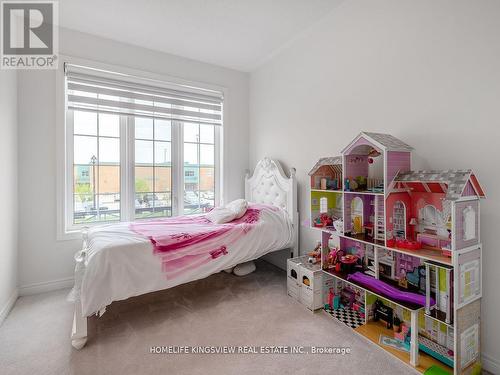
(347, 316)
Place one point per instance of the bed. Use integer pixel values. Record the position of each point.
(122, 260)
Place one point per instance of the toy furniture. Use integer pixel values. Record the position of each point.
(433, 240)
(437, 351)
(386, 264)
(416, 278)
(292, 281)
(384, 313)
(323, 220)
(331, 297)
(348, 261)
(368, 228)
(443, 276)
(347, 297)
(315, 255)
(415, 236)
(348, 302)
(403, 333)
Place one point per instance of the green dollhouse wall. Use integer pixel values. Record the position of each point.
(331, 196)
(442, 281)
(334, 203)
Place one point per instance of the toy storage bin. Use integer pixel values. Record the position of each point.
(292, 280)
(305, 282)
(311, 286)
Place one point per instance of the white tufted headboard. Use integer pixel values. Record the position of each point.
(270, 185)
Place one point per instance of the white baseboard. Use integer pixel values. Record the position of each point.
(8, 305)
(490, 364)
(46, 286)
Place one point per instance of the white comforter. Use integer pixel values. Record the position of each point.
(121, 264)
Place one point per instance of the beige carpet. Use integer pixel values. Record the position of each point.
(221, 310)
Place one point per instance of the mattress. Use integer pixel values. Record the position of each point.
(120, 263)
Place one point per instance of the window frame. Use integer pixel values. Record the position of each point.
(131, 141)
(66, 229)
(469, 218)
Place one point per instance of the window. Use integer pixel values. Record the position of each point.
(199, 165)
(137, 152)
(323, 205)
(96, 166)
(153, 167)
(430, 216)
(469, 223)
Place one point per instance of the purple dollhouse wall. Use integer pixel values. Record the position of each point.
(406, 263)
(368, 209)
(346, 243)
(356, 165)
(469, 190)
(397, 161)
(460, 242)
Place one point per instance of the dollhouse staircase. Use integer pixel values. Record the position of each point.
(379, 218)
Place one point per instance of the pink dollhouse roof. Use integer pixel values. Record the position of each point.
(385, 142)
(452, 182)
(335, 162)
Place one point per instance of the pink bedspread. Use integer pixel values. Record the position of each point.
(186, 242)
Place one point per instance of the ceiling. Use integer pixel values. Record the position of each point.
(237, 34)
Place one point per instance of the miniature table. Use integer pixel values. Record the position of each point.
(368, 229)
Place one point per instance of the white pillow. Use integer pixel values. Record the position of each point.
(238, 206)
(232, 210)
(221, 215)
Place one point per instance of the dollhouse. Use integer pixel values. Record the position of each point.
(401, 252)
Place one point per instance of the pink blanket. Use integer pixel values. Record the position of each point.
(186, 242)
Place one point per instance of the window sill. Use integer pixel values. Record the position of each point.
(70, 235)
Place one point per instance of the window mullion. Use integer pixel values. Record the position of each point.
(198, 151)
(130, 167)
(218, 170)
(177, 169)
(124, 171)
(69, 190)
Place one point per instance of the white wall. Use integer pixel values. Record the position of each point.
(425, 71)
(8, 190)
(43, 259)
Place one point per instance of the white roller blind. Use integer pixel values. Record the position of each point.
(97, 90)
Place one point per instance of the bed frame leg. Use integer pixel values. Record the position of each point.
(79, 331)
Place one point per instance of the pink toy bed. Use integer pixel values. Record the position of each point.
(119, 261)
